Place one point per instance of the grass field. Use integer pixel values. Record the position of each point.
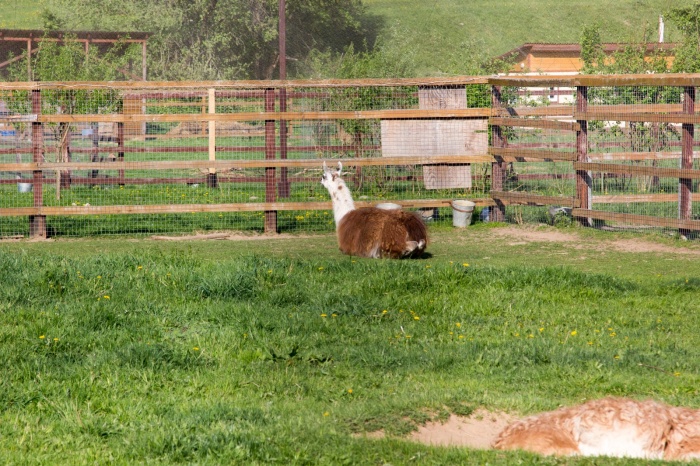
(434, 32)
(279, 350)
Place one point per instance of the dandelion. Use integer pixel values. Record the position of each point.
(139, 267)
(324, 315)
(574, 333)
(334, 315)
(427, 266)
(320, 268)
(460, 337)
(416, 318)
(384, 311)
(326, 414)
(541, 329)
(106, 296)
(458, 324)
(41, 337)
(196, 348)
(55, 339)
(350, 391)
(464, 264)
(613, 334)
(676, 374)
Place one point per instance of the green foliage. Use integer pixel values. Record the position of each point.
(687, 53)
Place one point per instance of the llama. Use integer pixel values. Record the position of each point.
(370, 231)
(618, 427)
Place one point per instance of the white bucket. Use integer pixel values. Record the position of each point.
(462, 213)
(387, 206)
(24, 187)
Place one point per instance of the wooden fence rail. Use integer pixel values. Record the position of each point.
(273, 121)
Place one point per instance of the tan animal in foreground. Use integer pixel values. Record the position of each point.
(370, 231)
(617, 427)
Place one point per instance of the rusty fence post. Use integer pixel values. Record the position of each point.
(498, 168)
(37, 223)
(270, 152)
(584, 182)
(685, 185)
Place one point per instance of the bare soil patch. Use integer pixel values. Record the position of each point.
(477, 431)
(522, 235)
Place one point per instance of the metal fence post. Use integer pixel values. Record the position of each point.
(685, 185)
(270, 152)
(37, 223)
(498, 168)
(583, 177)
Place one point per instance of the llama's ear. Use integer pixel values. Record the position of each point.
(340, 167)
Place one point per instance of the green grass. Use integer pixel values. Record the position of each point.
(433, 31)
(277, 351)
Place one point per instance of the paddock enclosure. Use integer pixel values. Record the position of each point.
(107, 158)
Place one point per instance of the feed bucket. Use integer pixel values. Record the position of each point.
(387, 206)
(462, 213)
(24, 187)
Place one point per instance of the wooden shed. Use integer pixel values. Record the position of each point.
(566, 58)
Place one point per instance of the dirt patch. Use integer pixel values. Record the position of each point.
(516, 236)
(478, 431)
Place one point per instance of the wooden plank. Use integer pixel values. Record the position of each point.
(638, 170)
(637, 156)
(251, 84)
(243, 164)
(274, 116)
(645, 198)
(531, 154)
(210, 208)
(633, 108)
(535, 123)
(635, 80)
(548, 110)
(641, 117)
(532, 199)
(638, 219)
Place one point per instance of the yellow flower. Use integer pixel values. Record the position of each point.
(106, 296)
(324, 315)
(465, 264)
(458, 324)
(416, 318)
(55, 339)
(326, 414)
(41, 337)
(574, 333)
(196, 348)
(349, 390)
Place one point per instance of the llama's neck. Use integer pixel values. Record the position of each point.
(342, 201)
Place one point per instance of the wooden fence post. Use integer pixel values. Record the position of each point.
(498, 169)
(212, 180)
(270, 152)
(37, 223)
(685, 185)
(120, 151)
(584, 182)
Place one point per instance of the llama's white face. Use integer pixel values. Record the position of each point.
(330, 178)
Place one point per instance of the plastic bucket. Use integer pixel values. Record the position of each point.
(462, 213)
(387, 206)
(24, 187)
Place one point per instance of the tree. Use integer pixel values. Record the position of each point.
(223, 39)
(687, 20)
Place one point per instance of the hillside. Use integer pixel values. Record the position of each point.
(434, 31)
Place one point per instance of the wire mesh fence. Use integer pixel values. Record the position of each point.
(81, 159)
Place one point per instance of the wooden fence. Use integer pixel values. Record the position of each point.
(278, 116)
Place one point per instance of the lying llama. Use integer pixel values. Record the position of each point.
(618, 427)
(370, 231)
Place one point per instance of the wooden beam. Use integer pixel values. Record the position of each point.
(535, 123)
(645, 198)
(243, 164)
(597, 80)
(638, 219)
(638, 170)
(641, 117)
(535, 154)
(200, 208)
(531, 199)
(637, 156)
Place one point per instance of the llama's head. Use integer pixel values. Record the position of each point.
(331, 178)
